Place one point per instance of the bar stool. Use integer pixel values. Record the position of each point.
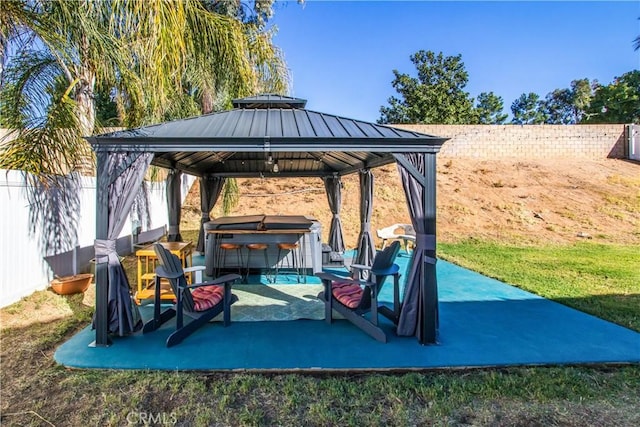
(296, 259)
(253, 247)
(225, 248)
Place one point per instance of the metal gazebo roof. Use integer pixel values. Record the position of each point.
(264, 130)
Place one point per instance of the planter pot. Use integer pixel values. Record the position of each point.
(71, 284)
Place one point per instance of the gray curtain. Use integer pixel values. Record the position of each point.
(366, 247)
(125, 172)
(174, 205)
(412, 312)
(210, 189)
(333, 187)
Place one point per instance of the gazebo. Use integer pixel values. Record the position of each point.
(266, 136)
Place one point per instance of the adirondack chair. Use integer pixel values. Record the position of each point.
(354, 298)
(201, 301)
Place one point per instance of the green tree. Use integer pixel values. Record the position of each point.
(489, 109)
(142, 55)
(558, 107)
(527, 110)
(48, 89)
(618, 102)
(436, 95)
(568, 106)
(273, 75)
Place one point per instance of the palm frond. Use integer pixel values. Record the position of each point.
(36, 104)
(230, 195)
(268, 61)
(16, 19)
(54, 148)
(30, 83)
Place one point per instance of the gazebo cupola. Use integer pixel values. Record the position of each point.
(269, 100)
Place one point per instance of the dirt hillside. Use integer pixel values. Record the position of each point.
(516, 202)
(507, 200)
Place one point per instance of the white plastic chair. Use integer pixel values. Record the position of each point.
(404, 232)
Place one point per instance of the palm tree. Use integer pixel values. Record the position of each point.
(14, 18)
(144, 54)
(48, 89)
(273, 75)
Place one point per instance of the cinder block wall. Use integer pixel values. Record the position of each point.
(529, 141)
(522, 141)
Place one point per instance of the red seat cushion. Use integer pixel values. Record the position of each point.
(348, 294)
(207, 297)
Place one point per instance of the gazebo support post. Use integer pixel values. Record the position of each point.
(174, 204)
(429, 328)
(422, 317)
(102, 233)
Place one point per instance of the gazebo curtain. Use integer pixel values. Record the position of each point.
(422, 266)
(124, 172)
(174, 205)
(366, 247)
(210, 189)
(333, 187)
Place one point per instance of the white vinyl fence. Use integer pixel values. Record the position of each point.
(634, 142)
(23, 268)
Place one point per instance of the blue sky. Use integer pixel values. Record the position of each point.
(341, 54)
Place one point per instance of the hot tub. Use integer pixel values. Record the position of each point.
(269, 229)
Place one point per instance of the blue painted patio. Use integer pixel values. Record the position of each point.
(483, 322)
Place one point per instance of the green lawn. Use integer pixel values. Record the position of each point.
(603, 280)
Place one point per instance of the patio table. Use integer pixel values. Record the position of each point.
(147, 262)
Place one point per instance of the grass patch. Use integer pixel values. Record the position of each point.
(600, 279)
(497, 397)
(35, 391)
(624, 181)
